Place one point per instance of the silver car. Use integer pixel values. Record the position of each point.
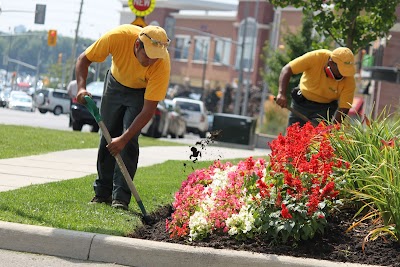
(20, 101)
(165, 121)
(53, 100)
(195, 114)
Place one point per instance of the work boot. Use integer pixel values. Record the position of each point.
(118, 204)
(98, 200)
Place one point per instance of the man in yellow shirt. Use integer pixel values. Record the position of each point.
(326, 88)
(137, 80)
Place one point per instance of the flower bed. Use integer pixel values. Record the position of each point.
(287, 198)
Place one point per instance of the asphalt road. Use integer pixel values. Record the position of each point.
(22, 259)
(61, 122)
(36, 119)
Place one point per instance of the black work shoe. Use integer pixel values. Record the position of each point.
(98, 200)
(118, 204)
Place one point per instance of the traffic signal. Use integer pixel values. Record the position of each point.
(52, 38)
(40, 14)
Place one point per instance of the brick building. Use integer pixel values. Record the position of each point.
(208, 51)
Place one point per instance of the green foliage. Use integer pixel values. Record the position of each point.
(372, 148)
(56, 73)
(275, 119)
(26, 47)
(351, 23)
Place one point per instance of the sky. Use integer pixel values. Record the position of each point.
(97, 17)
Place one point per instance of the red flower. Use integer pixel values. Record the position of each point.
(366, 121)
(327, 189)
(389, 143)
(285, 212)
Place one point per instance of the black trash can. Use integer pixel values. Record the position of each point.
(235, 129)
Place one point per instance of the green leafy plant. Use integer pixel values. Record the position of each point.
(351, 23)
(372, 147)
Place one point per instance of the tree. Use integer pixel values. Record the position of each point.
(351, 23)
(26, 46)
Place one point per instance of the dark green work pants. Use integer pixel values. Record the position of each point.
(314, 111)
(119, 107)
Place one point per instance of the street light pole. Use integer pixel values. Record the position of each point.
(204, 48)
(9, 50)
(273, 43)
(238, 95)
(39, 59)
(246, 91)
(73, 54)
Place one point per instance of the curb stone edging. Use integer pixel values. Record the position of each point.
(139, 252)
(45, 240)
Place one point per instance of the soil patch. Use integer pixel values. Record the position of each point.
(335, 245)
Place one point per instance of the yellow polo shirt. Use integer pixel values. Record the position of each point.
(125, 67)
(316, 86)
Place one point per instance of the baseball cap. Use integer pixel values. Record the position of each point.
(155, 41)
(344, 59)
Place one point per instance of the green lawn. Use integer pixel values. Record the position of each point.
(19, 141)
(65, 204)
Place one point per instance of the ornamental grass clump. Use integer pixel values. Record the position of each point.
(287, 198)
(372, 146)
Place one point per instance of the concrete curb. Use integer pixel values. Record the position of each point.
(138, 252)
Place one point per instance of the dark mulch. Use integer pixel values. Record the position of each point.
(334, 245)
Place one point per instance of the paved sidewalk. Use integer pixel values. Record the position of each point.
(19, 172)
(75, 163)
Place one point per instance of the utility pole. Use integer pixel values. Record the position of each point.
(39, 61)
(246, 91)
(73, 54)
(273, 44)
(238, 94)
(205, 55)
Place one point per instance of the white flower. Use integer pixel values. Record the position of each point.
(243, 222)
(198, 225)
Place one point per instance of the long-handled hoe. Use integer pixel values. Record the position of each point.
(91, 106)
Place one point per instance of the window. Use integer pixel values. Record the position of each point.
(249, 30)
(182, 43)
(188, 106)
(222, 51)
(61, 95)
(201, 48)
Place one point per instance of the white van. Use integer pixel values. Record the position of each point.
(195, 114)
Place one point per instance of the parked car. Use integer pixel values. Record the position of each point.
(195, 114)
(158, 126)
(4, 96)
(20, 101)
(166, 121)
(80, 115)
(177, 123)
(53, 100)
